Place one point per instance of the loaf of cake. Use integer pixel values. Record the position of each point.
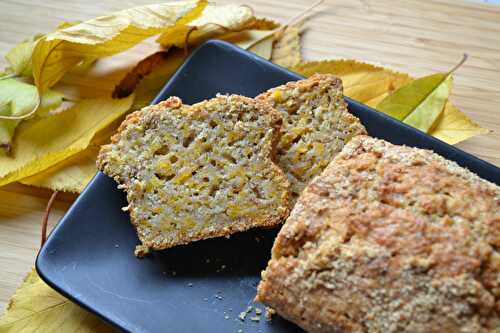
(200, 171)
(389, 239)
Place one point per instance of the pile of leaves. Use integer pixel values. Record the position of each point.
(65, 93)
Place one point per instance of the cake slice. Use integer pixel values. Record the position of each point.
(316, 126)
(389, 239)
(200, 171)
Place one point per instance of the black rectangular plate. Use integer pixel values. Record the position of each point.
(204, 286)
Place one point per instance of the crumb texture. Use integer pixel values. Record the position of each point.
(201, 171)
(389, 239)
(316, 125)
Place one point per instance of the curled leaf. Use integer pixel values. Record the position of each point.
(35, 307)
(453, 126)
(151, 84)
(19, 57)
(41, 143)
(263, 24)
(212, 21)
(363, 82)
(58, 52)
(144, 67)
(18, 99)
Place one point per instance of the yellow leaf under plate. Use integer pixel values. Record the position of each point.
(419, 103)
(58, 52)
(74, 173)
(363, 82)
(42, 143)
(212, 21)
(70, 175)
(35, 307)
(287, 49)
(453, 126)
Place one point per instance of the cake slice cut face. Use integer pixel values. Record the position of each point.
(200, 171)
(316, 126)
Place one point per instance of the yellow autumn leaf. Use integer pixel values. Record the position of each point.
(212, 21)
(366, 83)
(453, 126)
(419, 103)
(74, 173)
(41, 143)
(71, 175)
(35, 307)
(19, 57)
(286, 51)
(18, 98)
(58, 52)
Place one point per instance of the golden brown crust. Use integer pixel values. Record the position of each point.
(389, 239)
(151, 143)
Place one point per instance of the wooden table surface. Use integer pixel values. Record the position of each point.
(417, 37)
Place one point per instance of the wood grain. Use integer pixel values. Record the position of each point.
(417, 37)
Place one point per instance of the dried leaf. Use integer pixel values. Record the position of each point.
(263, 24)
(363, 82)
(18, 98)
(58, 52)
(35, 307)
(213, 20)
(419, 103)
(128, 84)
(70, 175)
(453, 126)
(287, 49)
(151, 84)
(42, 143)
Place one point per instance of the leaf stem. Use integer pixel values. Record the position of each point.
(301, 15)
(457, 66)
(46, 217)
(9, 76)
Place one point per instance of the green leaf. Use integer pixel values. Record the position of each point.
(17, 99)
(19, 57)
(43, 142)
(419, 103)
